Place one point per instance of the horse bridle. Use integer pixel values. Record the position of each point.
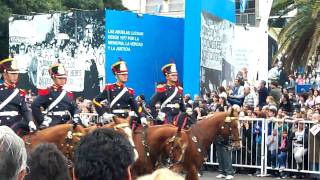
(182, 156)
(229, 120)
(69, 144)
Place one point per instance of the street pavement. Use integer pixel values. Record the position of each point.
(209, 175)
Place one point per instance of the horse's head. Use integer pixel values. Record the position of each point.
(71, 139)
(119, 120)
(231, 127)
(124, 128)
(176, 146)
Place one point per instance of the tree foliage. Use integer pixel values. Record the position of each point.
(27, 7)
(300, 37)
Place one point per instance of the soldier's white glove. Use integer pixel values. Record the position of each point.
(189, 111)
(85, 122)
(107, 117)
(161, 116)
(47, 120)
(132, 114)
(143, 120)
(32, 126)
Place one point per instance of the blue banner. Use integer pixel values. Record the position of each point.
(146, 43)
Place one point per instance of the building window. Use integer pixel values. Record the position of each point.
(248, 16)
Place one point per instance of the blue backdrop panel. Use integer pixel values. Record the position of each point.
(146, 43)
(224, 9)
(303, 88)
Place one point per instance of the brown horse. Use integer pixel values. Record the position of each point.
(200, 137)
(154, 143)
(64, 136)
(151, 144)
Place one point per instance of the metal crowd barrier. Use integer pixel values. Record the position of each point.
(258, 156)
(302, 155)
(92, 117)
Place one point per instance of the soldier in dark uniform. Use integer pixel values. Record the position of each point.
(54, 105)
(14, 111)
(169, 95)
(120, 98)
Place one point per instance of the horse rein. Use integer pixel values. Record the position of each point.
(69, 144)
(195, 139)
(229, 120)
(182, 156)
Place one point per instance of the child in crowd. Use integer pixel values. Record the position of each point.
(283, 150)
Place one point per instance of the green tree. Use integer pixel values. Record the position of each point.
(300, 36)
(27, 7)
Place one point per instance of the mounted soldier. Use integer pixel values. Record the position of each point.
(170, 96)
(55, 105)
(119, 98)
(14, 111)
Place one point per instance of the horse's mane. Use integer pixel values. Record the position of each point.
(213, 115)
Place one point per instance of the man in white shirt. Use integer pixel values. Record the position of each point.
(237, 95)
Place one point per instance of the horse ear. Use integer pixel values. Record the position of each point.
(179, 131)
(230, 111)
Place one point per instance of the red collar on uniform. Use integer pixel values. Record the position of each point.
(120, 84)
(55, 87)
(171, 84)
(9, 86)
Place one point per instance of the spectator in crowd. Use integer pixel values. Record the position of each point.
(300, 144)
(310, 114)
(257, 137)
(46, 162)
(162, 174)
(222, 92)
(237, 95)
(213, 106)
(247, 142)
(262, 93)
(314, 155)
(272, 143)
(187, 101)
(272, 113)
(110, 158)
(249, 97)
(285, 103)
(300, 80)
(79, 100)
(316, 97)
(310, 102)
(285, 91)
(200, 111)
(224, 157)
(207, 97)
(302, 100)
(275, 92)
(222, 104)
(13, 155)
(292, 83)
(283, 150)
(270, 101)
(196, 99)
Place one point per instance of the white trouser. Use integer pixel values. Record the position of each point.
(299, 152)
